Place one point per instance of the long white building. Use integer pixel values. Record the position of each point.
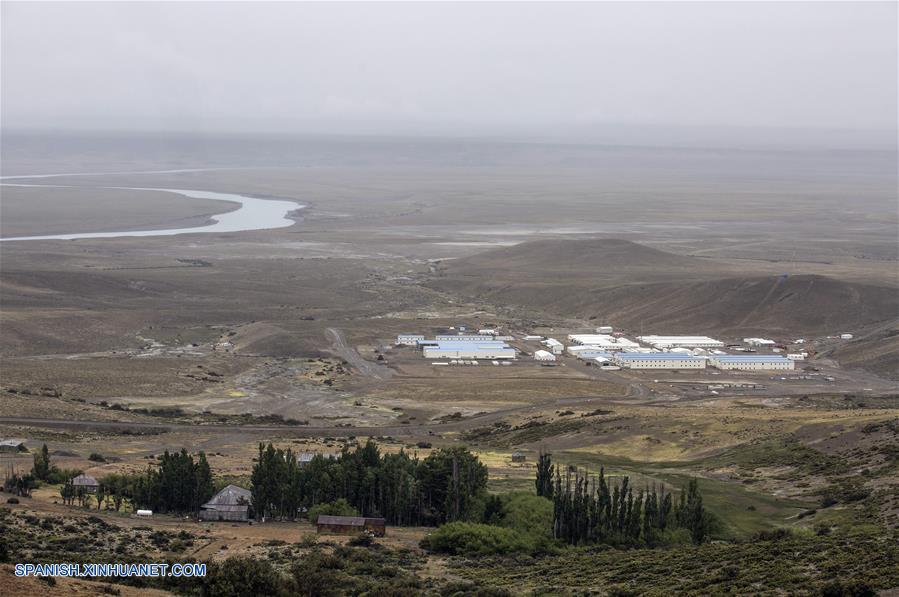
(464, 337)
(603, 341)
(752, 362)
(409, 339)
(462, 349)
(684, 341)
(658, 360)
(554, 345)
(759, 342)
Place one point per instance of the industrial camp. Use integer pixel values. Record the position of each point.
(606, 348)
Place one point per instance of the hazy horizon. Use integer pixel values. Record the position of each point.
(702, 74)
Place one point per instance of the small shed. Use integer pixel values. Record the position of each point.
(86, 483)
(231, 503)
(350, 525)
(519, 457)
(13, 446)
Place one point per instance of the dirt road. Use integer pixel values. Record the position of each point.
(341, 348)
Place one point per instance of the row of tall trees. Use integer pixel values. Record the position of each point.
(179, 483)
(593, 509)
(403, 489)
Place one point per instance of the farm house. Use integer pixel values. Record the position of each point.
(231, 503)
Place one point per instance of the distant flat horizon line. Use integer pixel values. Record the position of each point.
(617, 136)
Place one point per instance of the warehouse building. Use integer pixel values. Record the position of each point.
(463, 349)
(554, 345)
(759, 342)
(463, 337)
(605, 329)
(544, 355)
(658, 360)
(751, 362)
(586, 353)
(409, 339)
(603, 341)
(685, 341)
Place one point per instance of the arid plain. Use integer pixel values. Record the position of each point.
(215, 342)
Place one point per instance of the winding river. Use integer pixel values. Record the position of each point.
(253, 214)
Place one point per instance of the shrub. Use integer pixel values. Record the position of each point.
(361, 540)
(238, 576)
(850, 588)
(338, 508)
(773, 535)
(465, 538)
(318, 574)
(95, 457)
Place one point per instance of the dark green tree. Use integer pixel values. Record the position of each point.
(545, 469)
(41, 468)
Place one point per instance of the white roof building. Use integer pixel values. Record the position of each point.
(456, 349)
(658, 360)
(544, 355)
(752, 362)
(554, 345)
(408, 339)
(603, 341)
(685, 341)
(759, 342)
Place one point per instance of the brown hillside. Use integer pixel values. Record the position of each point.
(643, 288)
(589, 256)
(878, 352)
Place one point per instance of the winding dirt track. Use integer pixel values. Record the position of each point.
(341, 348)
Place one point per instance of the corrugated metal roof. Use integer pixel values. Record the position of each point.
(13, 443)
(230, 498)
(765, 358)
(354, 521)
(657, 356)
(678, 340)
(84, 480)
(456, 345)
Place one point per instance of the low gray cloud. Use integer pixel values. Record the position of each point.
(494, 68)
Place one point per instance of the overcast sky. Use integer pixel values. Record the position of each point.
(448, 68)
